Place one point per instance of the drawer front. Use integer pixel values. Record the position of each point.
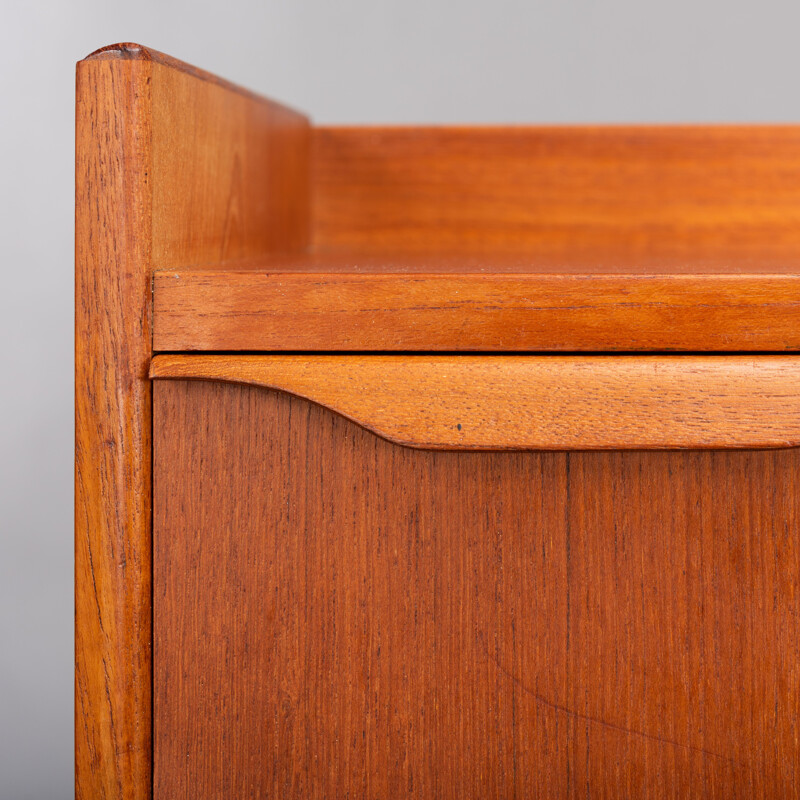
(339, 615)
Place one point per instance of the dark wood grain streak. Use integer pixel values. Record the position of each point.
(338, 616)
(174, 168)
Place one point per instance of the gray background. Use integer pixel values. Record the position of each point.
(342, 61)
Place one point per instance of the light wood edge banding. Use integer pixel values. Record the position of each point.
(534, 402)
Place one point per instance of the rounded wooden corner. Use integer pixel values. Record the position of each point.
(130, 50)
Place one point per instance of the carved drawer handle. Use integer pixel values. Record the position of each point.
(535, 402)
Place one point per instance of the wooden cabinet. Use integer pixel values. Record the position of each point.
(431, 462)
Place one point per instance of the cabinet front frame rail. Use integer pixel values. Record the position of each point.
(263, 309)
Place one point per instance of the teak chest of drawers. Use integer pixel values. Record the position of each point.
(430, 462)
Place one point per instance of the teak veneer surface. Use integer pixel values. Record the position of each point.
(596, 238)
(535, 402)
(470, 304)
(596, 193)
(337, 616)
(173, 167)
(335, 613)
(113, 209)
(619, 199)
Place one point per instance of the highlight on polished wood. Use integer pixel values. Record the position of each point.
(173, 167)
(534, 402)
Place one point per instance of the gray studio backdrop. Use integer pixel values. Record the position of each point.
(344, 61)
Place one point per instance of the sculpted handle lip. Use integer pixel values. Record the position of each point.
(516, 402)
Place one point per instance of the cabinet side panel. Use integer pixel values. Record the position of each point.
(230, 173)
(112, 430)
(337, 616)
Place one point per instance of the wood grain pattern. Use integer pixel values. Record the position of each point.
(236, 184)
(338, 616)
(589, 192)
(535, 402)
(231, 174)
(521, 239)
(273, 308)
(113, 212)
(230, 169)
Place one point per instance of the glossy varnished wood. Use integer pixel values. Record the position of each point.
(562, 193)
(535, 402)
(337, 616)
(466, 304)
(176, 167)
